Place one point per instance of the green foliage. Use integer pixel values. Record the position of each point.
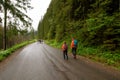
(15, 7)
(101, 56)
(1, 57)
(59, 33)
(95, 23)
(51, 33)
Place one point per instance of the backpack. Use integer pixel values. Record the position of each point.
(65, 47)
(75, 43)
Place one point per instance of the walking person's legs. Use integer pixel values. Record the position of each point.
(64, 54)
(75, 53)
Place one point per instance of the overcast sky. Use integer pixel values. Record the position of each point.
(40, 7)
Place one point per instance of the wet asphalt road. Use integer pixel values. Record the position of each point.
(42, 62)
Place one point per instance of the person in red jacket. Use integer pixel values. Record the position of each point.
(74, 47)
(65, 50)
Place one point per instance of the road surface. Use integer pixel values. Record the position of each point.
(42, 62)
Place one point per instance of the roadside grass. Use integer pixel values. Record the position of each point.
(53, 43)
(5, 53)
(96, 54)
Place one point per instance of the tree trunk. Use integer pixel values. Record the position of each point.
(5, 21)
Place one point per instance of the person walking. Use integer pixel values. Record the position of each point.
(74, 47)
(65, 50)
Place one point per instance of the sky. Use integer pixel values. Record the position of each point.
(40, 8)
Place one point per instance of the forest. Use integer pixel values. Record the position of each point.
(94, 23)
(15, 25)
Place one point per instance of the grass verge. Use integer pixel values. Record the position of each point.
(5, 53)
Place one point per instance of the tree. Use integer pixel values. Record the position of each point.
(14, 8)
(93, 22)
(1, 35)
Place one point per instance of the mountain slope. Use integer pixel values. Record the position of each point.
(92, 22)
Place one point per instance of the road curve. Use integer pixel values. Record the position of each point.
(42, 62)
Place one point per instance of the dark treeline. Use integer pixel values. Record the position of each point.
(92, 22)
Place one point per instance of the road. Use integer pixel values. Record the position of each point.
(42, 62)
